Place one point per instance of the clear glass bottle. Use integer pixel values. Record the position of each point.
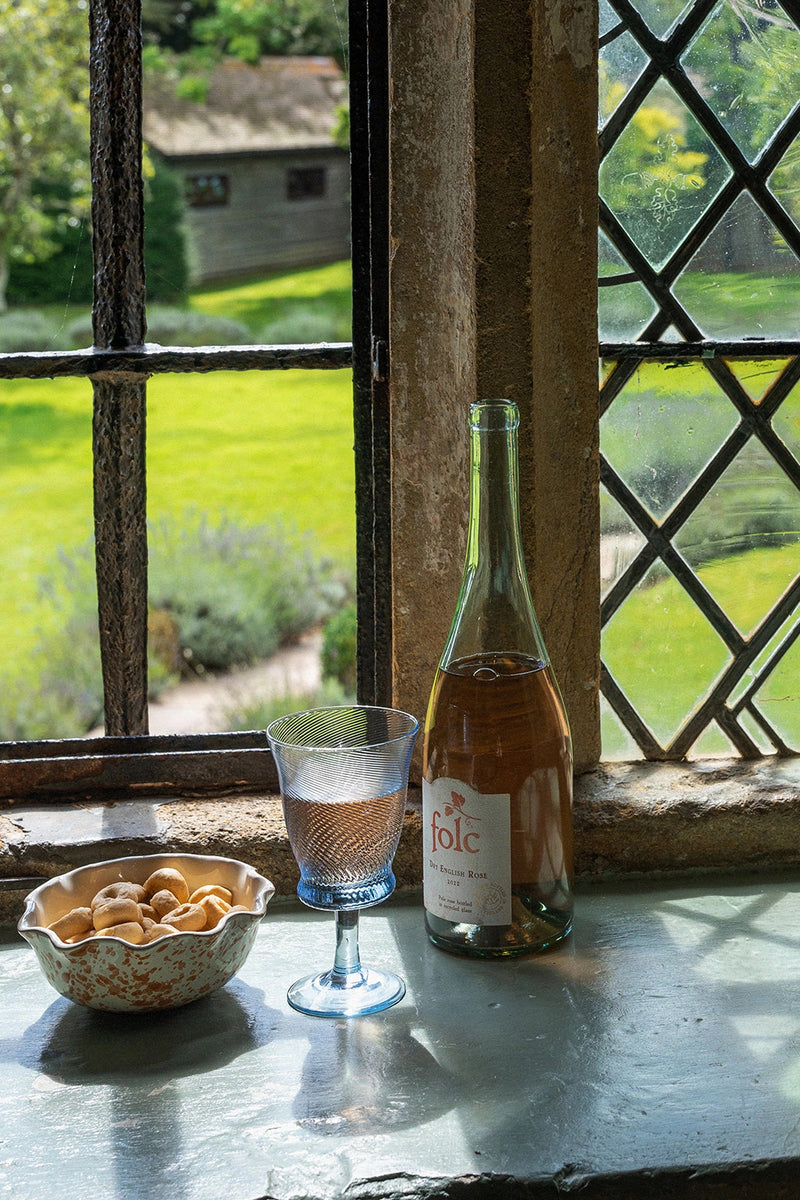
(497, 754)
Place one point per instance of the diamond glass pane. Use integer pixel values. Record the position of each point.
(620, 541)
(757, 377)
(744, 537)
(624, 306)
(661, 175)
(622, 61)
(744, 281)
(754, 730)
(662, 652)
(779, 698)
(606, 368)
(712, 743)
(784, 182)
(786, 422)
(662, 429)
(661, 16)
(765, 662)
(618, 745)
(607, 18)
(741, 62)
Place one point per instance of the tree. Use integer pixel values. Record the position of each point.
(246, 29)
(168, 23)
(44, 127)
(652, 175)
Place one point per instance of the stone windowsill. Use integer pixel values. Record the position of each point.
(654, 1054)
(630, 819)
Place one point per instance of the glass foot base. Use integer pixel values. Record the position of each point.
(357, 995)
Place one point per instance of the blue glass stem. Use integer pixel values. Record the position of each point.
(347, 970)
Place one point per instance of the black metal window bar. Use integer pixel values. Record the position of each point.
(119, 364)
(670, 335)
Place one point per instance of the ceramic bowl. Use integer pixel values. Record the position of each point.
(111, 974)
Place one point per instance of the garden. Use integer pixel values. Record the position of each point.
(250, 503)
(252, 528)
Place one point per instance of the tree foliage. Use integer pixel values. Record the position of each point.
(653, 159)
(246, 29)
(44, 127)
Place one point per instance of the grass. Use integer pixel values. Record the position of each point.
(742, 303)
(665, 656)
(261, 302)
(724, 305)
(658, 434)
(254, 445)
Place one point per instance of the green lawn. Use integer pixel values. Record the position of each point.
(262, 301)
(665, 655)
(726, 305)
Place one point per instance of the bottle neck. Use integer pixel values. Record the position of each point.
(495, 612)
(494, 536)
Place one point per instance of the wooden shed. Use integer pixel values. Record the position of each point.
(267, 188)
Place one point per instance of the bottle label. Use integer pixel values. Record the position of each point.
(466, 843)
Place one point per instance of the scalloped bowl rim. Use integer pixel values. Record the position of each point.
(264, 891)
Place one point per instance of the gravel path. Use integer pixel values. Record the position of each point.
(198, 705)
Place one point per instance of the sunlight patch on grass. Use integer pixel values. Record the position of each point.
(258, 302)
(257, 446)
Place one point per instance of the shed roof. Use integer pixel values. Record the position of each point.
(283, 103)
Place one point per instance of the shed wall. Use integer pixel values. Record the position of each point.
(260, 228)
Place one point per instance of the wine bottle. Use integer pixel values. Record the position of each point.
(497, 753)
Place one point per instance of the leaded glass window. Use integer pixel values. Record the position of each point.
(699, 251)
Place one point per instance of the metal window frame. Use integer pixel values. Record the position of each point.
(128, 760)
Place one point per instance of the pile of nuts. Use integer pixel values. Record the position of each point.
(143, 912)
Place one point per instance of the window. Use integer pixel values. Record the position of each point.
(305, 183)
(514, 276)
(118, 368)
(207, 191)
(494, 257)
(700, 269)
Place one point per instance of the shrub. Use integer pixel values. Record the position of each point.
(175, 327)
(181, 327)
(221, 595)
(235, 592)
(61, 691)
(166, 257)
(305, 323)
(64, 277)
(257, 713)
(67, 274)
(339, 648)
(29, 330)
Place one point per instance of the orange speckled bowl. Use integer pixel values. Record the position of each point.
(109, 973)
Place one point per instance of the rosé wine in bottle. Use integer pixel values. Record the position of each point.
(497, 755)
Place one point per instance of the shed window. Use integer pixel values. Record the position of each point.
(207, 191)
(305, 183)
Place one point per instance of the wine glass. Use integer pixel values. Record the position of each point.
(343, 775)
